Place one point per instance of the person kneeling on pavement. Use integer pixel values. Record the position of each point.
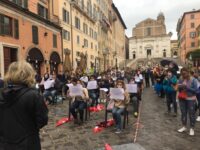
(119, 106)
(78, 102)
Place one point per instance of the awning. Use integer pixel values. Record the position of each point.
(194, 54)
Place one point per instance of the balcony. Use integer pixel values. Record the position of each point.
(84, 10)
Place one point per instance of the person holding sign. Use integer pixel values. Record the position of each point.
(92, 87)
(132, 89)
(121, 99)
(79, 95)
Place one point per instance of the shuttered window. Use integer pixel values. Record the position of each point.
(35, 34)
(6, 25)
(65, 16)
(54, 41)
(42, 11)
(16, 28)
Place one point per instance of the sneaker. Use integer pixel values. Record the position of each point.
(182, 129)
(135, 114)
(118, 131)
(191, 132)
(198, 119)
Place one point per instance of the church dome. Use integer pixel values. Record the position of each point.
(161, 16)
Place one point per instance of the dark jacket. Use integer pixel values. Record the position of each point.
(22, 112)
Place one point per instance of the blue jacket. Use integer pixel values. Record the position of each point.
(192, 88)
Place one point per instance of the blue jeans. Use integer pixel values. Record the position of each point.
(94, 97)
(135, 100)
(116, 112)
(49, 93)
(187, 106)
(80, 105)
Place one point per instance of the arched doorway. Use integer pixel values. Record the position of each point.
(164, 53)
(54, 62)
(35, 58)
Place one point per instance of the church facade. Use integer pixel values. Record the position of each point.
(149, 39)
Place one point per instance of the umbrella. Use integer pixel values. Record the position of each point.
(166, 62)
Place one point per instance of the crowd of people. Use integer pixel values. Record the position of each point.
(24, 97)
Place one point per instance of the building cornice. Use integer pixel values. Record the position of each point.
(119, 15)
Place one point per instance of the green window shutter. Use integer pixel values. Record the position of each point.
(35, 34)
(1, 25)
(16, 29)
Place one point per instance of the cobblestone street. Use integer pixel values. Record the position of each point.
(158, 131)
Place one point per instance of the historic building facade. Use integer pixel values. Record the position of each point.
(187, 30)
(174, 49)
(26, 34)
(150, 40)
(71, 33)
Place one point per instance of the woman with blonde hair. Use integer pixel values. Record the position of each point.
(22, 110)
(119, 106)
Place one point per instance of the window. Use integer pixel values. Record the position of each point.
(78, 39)
(134, 56)
(193, 44)
(95, 35)
(54, 41)
(91, 32)
(85, 43)
(66, 35)
(6, 25)
(192, 25)
(91, 45)
(42, 11)
(148, 32)
(77, 23)
(192, 16)
(65, 16)
(35, 34)
(192, 34)
(164, 53)
(22, 3)
(85, 28)
(96, 47)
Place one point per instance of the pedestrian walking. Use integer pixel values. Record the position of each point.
(22, 110)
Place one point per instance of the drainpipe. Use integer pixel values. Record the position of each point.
(61, 35)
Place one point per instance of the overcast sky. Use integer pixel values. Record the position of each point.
(134, 11)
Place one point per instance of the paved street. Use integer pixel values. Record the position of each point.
(158, 130)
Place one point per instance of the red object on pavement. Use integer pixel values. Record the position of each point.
(110, 122)
(62, 121)
(108, 147)
(97, 108)
(97, 129)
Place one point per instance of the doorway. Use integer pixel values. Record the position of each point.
(148, 52)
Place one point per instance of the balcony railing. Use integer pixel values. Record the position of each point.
(84, 10)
